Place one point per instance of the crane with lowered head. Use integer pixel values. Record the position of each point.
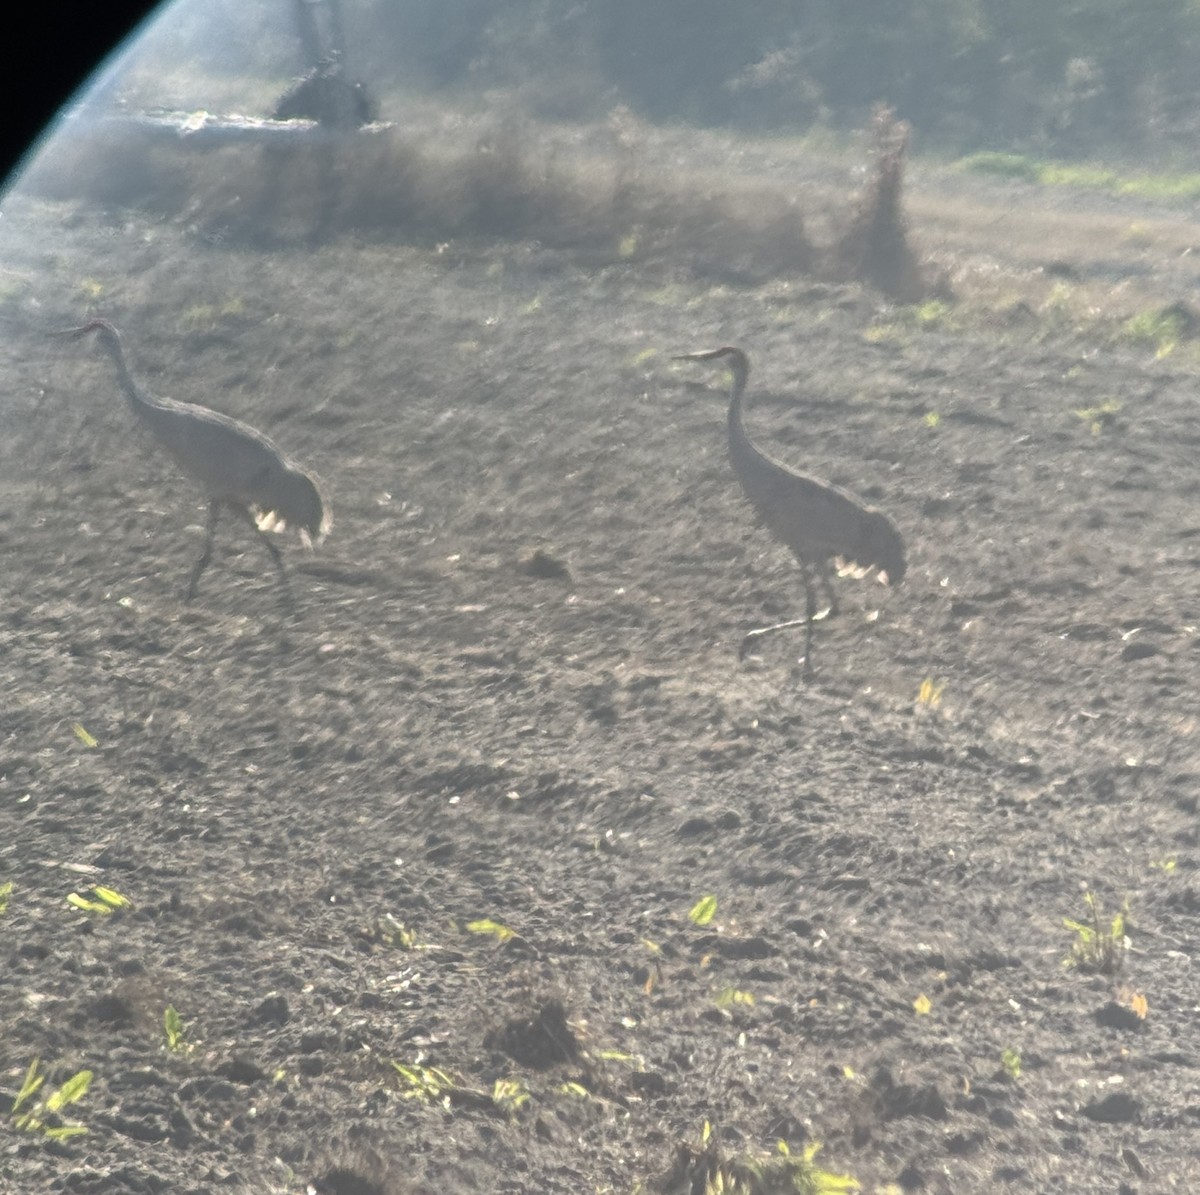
(817, 521)
(238, 467)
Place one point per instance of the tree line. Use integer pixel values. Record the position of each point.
(1052, 77)
(1075, 77)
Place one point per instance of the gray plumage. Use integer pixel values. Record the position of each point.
(819, 522)
(238, 467)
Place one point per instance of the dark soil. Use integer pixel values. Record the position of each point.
(510, 693)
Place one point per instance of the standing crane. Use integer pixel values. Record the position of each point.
(238, 467)
(819, 522)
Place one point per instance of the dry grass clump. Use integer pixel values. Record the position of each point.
(874, 247)
(502, 182)
(384, 185)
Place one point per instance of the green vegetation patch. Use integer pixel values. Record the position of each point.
(1084, 175)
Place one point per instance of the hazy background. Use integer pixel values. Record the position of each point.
(1094, 77)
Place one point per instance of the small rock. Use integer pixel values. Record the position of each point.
(962, 1144)
(1119, 1107)
(544, 567)
(648, 1083)
(316, 1040)
(1138, 651)
(896, 1100)
(241, 1070)
(206, 1088)
(272, 1011)
(756, 947)
(146, 1128)
(1117, 1016)
(114, 1008)
(1010, 1174)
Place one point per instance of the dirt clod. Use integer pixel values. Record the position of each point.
(540, 1039)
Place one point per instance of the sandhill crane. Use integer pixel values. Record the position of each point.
(238, 467)
(817, 521)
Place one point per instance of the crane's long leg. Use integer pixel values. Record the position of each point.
(214, 513)
(810, 617)
(276, 555)
(826, 575)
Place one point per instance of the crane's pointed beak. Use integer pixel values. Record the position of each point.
(709, 355)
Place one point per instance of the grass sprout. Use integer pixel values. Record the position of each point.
(432, 1085)
(1098, 947)
(703, 911)
(30, 1115)
(491, 928)
(428, 1084)
(1162, 329)
(104, 901)
(82, 735)
(729, 997)
(930, 693)
(175, 1032)
(388, 931)
(1100, 417)
(509, 1095)
(705, 1167)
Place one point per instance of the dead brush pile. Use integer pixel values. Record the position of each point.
(502, 183)
(874, 247)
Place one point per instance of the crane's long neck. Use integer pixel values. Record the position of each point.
(742, 449)
(143, 404)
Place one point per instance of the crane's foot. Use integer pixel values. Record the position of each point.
(747, 644)
(189, 594)
(752, 637)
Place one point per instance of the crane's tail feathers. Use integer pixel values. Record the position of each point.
(294, 501)
(270, 520)
(851, 568)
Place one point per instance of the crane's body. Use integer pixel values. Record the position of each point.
(817, 521)
(238, 467)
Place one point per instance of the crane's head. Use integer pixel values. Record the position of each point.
(109, 336)
(734, 358)
(882, 547)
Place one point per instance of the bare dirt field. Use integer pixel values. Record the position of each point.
(510, 694)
